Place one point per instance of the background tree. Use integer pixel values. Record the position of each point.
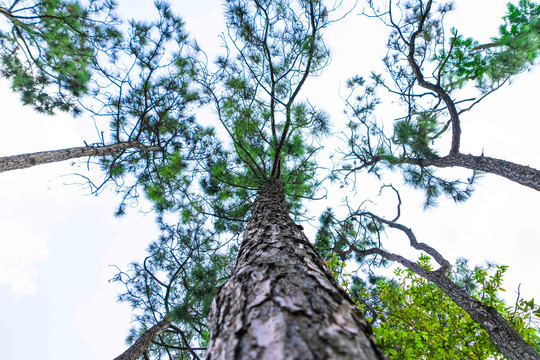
(143, 87)
(417, 47)
(412, 318)
(359, 238)
(432, 80)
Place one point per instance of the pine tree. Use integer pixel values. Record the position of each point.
(241, 196)
(428, 76)
(50, 48)
(262, 310)
(258, 177)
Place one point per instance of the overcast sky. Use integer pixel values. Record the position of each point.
(57, 242)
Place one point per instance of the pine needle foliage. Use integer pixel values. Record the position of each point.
(428, 72)
(48, 49)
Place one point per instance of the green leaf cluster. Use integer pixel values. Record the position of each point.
(425, 179)
(417, 134)
(513, 51)
(413, 319)
(50, 49)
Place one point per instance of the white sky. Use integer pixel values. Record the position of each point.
(57, 242)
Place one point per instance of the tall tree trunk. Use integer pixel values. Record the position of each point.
(282, 302)
(142, 343)
(22, 161)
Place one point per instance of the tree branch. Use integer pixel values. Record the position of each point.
(22, 161)
(456, 128)
(139, 347)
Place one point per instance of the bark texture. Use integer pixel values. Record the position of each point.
(521, 174)
(22, 161)
(140, 346)
(282, 302)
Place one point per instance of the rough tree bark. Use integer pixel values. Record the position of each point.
(521, 174)
(22, 161)
(282, 302)
(142, 343)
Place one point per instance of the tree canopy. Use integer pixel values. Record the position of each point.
(148, 80)
(50, 47)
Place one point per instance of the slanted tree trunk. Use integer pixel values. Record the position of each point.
(142, 343)
(282, 302)
(22, 161)
(503, 336)
(524, 175)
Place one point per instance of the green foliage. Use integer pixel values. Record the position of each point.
(333, 236)
(406, 149)
(433, 186)
(178, 280)
(150, 102)
(275, 46)
(51, 46)
(324, 236)
(517, 47)
(413, 319)
(417, 134)
(524, 317)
